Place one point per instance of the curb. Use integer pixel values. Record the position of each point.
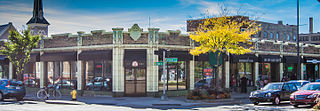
(64, 102)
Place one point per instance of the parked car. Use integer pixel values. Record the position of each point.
(11, 88)
(299, 83)
(98, 83)
(318, 80)
(30, 82)
(306, 95)
(273, 92)
(202, 83)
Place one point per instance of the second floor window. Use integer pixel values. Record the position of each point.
(277, 36)
(289, 37)
(271, 35)
(265, 34)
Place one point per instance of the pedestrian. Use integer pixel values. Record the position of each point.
(284, 79)
(244, 84)
(233, 83)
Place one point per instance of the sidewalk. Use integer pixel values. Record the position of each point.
(145, 102)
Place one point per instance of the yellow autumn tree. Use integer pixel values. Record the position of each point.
(224, 34)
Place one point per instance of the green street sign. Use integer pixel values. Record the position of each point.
(158, 63)
(171, 59)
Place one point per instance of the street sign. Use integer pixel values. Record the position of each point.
(171, 59)
(158, 63)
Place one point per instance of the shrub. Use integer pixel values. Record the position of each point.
(212, 96)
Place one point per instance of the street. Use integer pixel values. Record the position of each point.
(13, 105)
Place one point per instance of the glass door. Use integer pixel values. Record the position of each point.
(135, 82)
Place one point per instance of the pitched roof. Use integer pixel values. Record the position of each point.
(38, 14)
(4, 28)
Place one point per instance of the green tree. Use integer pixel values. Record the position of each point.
(18, 50)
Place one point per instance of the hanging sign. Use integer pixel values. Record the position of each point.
(134, 64)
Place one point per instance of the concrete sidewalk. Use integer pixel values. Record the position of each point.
(145, 102)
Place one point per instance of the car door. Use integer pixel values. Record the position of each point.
(285, 92)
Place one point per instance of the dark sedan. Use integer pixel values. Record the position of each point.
(10, 88)
(273, 92)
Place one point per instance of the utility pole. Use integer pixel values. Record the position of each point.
(298, 45)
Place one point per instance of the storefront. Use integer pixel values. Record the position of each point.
(269, 68)
(290, 67)
(242, 66)
(311, 68)
(97, 74)
(177, 73)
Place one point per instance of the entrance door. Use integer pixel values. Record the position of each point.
(135, 82)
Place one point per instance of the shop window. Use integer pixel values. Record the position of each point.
(30, 76)
(271, 35)
(245, 70)
(277, 36)
(294, 38)
(289, 37)
(175, 77)
(98, 75)
(265, 72)
(203, 74)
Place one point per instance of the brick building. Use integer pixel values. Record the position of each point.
(122, 62)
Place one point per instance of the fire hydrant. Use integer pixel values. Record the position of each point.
(74, 95)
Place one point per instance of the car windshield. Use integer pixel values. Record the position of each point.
(311, 87)
(273, 86)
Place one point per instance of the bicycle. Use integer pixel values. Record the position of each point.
(44, 93)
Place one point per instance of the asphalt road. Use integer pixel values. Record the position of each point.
(13, 105)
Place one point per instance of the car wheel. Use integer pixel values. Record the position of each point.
(295, 105)
(19, 98)
(255, 103)
(1, 96)
(276, 100)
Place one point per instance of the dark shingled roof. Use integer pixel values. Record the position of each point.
(3, 28)
(38, 14)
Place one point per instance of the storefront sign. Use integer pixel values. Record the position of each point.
(246, 60)
(134, 64)
(314, 61)
(272, 60)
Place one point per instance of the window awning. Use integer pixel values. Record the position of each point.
(181, 55)
(59, 56)
(270, 58)
(291, 59)
(96, 55)
(314, 60)
(244, 58)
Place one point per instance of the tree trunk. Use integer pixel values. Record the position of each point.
(217, 79)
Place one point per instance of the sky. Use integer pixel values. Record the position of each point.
(70, 16)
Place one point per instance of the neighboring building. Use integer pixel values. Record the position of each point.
(269, 31)
(4, 61)
(311, 37)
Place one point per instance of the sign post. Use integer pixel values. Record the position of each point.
(164, 97)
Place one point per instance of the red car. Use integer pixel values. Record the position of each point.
(306, 95)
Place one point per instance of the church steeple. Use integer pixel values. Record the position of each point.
(38, 14)
(38, 25)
